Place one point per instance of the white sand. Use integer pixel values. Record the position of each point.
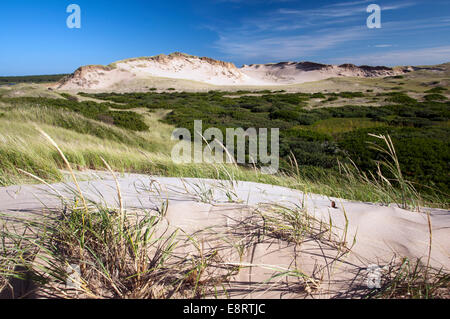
(380, 232)
(209, 71)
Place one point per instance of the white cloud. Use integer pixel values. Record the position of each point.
(272, 37)
(349, 3)
(286, 47)
(434, 55)
(344, 9)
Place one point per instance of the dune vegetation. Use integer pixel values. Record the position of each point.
(91, 251)
(322, 138)
(31, 79)
(395, 151)
(323, 150)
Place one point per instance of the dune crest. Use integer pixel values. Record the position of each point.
(207, 70)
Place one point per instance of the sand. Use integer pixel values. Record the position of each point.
(376, 234)
(212, 72)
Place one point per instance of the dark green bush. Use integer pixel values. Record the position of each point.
(424, 155)
(351, 95)
(299, 132)
(32, 78)
(437, 89)
(318, 96)
(401, 98)
(285, 115)
(435, 97)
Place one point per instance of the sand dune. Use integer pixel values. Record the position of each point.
(301, 72)
(214, 72)
(376, 233)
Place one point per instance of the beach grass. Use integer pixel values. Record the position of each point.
(91, 251)
(85, 141)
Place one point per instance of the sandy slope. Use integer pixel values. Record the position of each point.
(175, 66)
(301, 72)
(213, 72)
(380, 232)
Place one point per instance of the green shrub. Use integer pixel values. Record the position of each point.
(437, 89)
(435, 97)
(285, 115)
(318, 96)
(332, 98)
(299, 132)
(424, 155)
(32, 78)
(351, 95)
(401, 98)
(410, 123)
(69, 97)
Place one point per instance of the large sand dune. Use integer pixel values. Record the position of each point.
(212, 72)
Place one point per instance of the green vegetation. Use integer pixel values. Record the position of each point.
(69, 97)
(321, 139)
(318, 96)
(119, 255)
(90, 251)
(435, 97)
(397, 152)
(334, 126)
(31, 78)
(400, 98)
(89, 109)
(351, 95)
(408, 279)
(437, 89)
(395, 77)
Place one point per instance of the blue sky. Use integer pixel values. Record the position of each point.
(34, 37)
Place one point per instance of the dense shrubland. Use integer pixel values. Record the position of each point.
(319, 137)
(31, 78)
(419, 129)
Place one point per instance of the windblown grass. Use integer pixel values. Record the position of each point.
(85, 141)
(408, 279)
(134, 255)
(130, 258)
(388, 183)
(12, 253)
(118, 254)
